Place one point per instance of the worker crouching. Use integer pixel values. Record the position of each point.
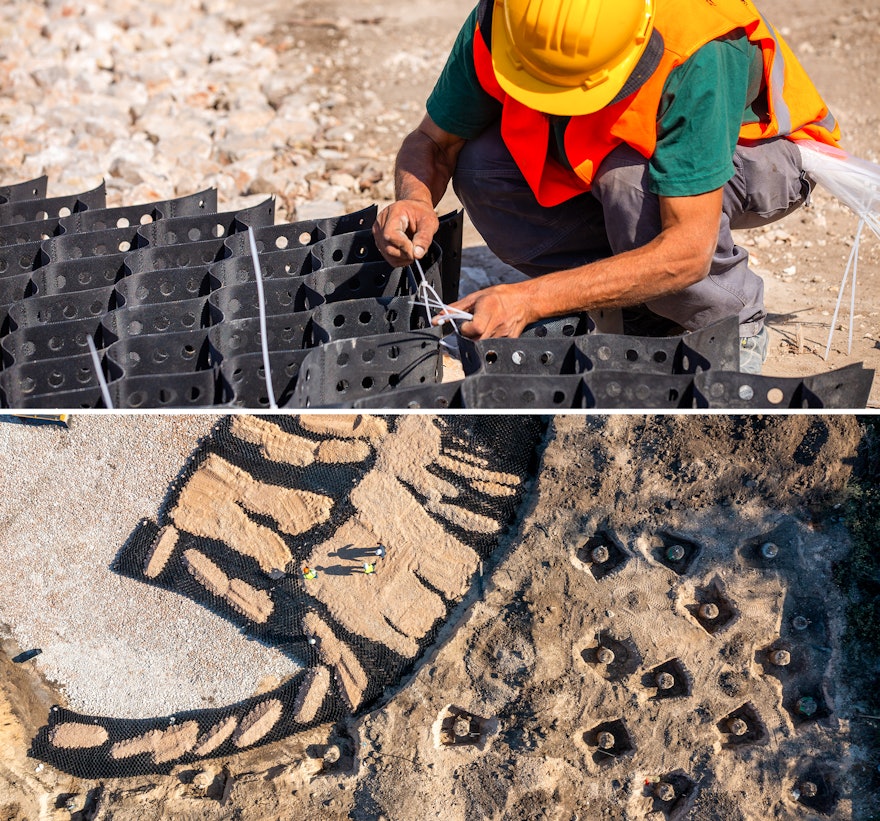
(607, 149)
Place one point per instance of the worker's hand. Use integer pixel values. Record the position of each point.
(404, 230)
(502, 310)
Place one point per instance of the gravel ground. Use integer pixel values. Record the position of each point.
(113, 644)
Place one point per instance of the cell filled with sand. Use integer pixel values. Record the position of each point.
(311, 694)
(345, 425)
(214, 503)
(213, 738)
(257, 723)
(75, 736)
(336, 654)
(160, 551)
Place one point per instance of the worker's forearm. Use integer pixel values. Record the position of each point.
(666, 265)
(423, 170)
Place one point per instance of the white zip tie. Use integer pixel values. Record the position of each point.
(431, 299)
(264, 339)
(99, 372)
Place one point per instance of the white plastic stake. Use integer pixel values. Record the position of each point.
(264, 339)
(96, 363)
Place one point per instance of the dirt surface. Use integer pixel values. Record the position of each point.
(633, 526)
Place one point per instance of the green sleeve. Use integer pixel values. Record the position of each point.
(458, 103)
(705, 101)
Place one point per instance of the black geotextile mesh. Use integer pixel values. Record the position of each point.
(473, 452)
(168, 293)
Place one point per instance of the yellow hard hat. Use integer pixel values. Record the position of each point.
(570, 57)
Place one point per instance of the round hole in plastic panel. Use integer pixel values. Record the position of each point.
(55, 379)
(364, 317)
(281, 242)
(337, 255)
(136, 399)
(342, 386)
(568, 329)
(632, 355)
(84, 278)
(558, 397)
(491, 357)
(614, 389)
(367, 382)
(775, 396)
(368, 355)
(518, 357)
(194, 234)
(746, 393)
(27, 385)
(160, 356)
(604, 353)
(339, 320)
(393, 352)
(56, 343)
(659, 357)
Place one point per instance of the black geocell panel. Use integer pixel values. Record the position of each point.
(506, 449)
(168, 293)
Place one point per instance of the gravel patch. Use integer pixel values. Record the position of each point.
(114, 645)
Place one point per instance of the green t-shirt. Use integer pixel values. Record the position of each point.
(705, 101)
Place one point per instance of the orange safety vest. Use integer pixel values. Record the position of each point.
(796, 110)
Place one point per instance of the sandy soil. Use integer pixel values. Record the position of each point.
(521, 679)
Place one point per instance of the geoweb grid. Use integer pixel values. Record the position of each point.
(270, 525)
(168, 293)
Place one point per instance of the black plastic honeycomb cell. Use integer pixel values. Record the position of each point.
(234, 302)
(234, 338)
(80, 274)
(20, 233)
(363, 280)
(32, 210)
(35, 384)
(347, 249)
(242, 378)
(153, 288)
(166, 353)
(167, 390)
(16, 259)
(848, 387)
(338, 373)
(46, 342)
(367, 317)
(533, 393)
(622, 390)
(239, 269)
(440, 396)
(166, 317)
(100, 219)
(27, 190)
(552, 356)
(57, 308)
(191, 230)
(303, 233)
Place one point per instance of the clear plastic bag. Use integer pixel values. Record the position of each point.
(856, 183)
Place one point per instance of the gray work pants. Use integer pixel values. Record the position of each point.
(619, 214)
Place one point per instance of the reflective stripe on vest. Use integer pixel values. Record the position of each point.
(795, 108)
